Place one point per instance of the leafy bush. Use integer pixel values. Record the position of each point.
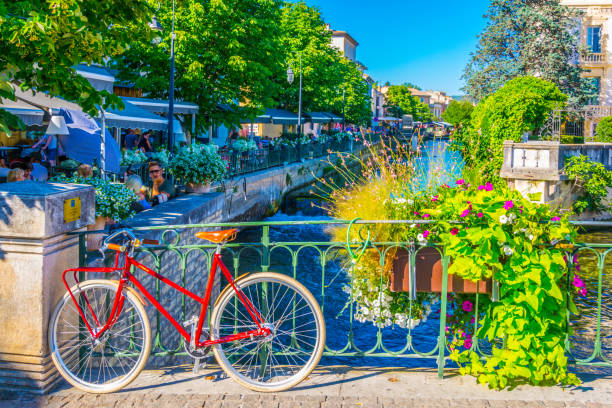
(198, 163)
(242, 145)
(458, 112)
(593, 180)
(162, 156)
(113, 200)
(521, 105)
(132, 157)
(604, 130)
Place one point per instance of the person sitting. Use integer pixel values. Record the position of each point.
(134, 183)
(159, 190)
(39, 172)
(85, 171)
(15, 175)
(27, 169)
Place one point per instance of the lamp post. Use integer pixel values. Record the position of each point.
(343, 106)
(290, 78)
(171, 92)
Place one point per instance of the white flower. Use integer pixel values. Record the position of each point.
(420, 237)
(531, 237)
(511, 217)
(507, 250)
(503, 219)
(410, 202)
(554, 242)
(412, 225)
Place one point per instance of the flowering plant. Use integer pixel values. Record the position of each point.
(113, 200)
(161, 156)
(132, 157)
(485, 232)
(198, 163)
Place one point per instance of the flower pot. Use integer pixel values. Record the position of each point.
(94, 241)
(198, 188)
(428, 275)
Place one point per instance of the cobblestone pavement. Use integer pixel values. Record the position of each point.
(327, 387)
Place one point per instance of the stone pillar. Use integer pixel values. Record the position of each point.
(34, 251)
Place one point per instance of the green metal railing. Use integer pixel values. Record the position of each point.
(332, 271)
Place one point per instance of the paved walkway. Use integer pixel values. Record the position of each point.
(327, 387)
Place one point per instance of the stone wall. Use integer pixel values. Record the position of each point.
(536, 170)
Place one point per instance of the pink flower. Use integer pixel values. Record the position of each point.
(480, 215)
(555, 219)
(489, 187)
(473, 320)
(454, 231)
(467, 306)
(481, 187)
(468, 343)
(435, 198)
(465, 212)
(425, 215)
(416, 213)
(425, 234)
(583, 292)
(508, 205)
(460, 182)
(578, 282)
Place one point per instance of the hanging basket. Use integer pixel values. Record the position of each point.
(428, 273)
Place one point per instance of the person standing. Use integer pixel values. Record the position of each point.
(49, 148)
(131, 140)
(144, 143)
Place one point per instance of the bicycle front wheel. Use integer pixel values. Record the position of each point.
(110, 362)
(283, 359)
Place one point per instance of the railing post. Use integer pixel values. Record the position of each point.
(265, 251)
(443, 305)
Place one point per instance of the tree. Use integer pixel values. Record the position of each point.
(534, 37)
(521, 105)
(458, 112)
(43, 41)
(326, 74)
(227, 52)
(401, 102)
(604, 130)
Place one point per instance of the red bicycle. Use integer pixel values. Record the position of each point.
(266, 330)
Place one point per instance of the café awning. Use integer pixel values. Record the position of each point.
(30, 115)
(134, 117)
(318, 117)
(162, 105)
(276, 117)
(334, 117)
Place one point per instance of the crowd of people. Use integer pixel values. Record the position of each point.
(30, 167)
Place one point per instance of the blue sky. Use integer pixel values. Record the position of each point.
(424, 42)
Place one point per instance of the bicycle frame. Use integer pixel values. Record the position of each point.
(127, 276)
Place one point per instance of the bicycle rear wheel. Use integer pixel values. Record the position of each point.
(113, 360)
(284, 358)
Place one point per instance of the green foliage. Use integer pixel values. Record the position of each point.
(521, 105)
(161, 156)
(527, 38)
(113, 200)
(43, 41)
(401, 102)
(604, 130)
(458, 112)
(132, 157)
(198, 164)
(226, 52)
(243, 145)
(593, 180)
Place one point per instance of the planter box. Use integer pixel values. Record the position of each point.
(428, 270)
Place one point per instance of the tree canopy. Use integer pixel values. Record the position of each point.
(536, 37)
(400, 101)
(43, 41)
(226, 52)
(458, 112)
(521, 105)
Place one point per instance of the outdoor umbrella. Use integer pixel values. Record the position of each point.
(83, 142)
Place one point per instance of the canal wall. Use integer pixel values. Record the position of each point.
(247, 198)
(536, 170)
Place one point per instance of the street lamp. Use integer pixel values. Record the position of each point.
(290, 78)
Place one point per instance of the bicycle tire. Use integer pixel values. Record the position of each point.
(283, 345)
(62, 333)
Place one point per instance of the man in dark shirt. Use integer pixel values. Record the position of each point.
(159, 190)
(131, 139)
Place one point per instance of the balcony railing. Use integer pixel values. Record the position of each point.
(594, 58)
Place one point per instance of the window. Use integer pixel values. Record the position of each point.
(594, 38)
(596, 84)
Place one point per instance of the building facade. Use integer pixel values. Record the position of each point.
(595, 31)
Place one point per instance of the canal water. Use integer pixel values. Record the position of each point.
(333, 280)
